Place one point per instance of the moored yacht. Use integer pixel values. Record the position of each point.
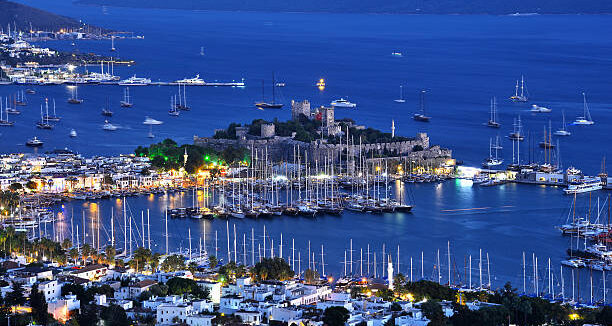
(34, 142)
(135, 81)
(586, 185)
(585, 119)
(192, 81)
(109, 126)
(540, 109)
(343, 103)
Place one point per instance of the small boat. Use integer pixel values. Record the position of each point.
(73, 133)
(421, 116)
(493, 119)
(151, 122)
(280, 84)
(563, 131)
(74, 99)
(321, 83)
(109, 126)
(34, 142)
(519, 97)
(401, 97)
(585, 119)
(126, 103)
(342, 103)
(574, 263)
(539, 109)
(397, 54)
(30, 91)
(265, 105)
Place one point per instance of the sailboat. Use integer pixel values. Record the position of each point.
(265, 105)
(126, 103)
(517, 132)
(4, 122)
(522, 97)
(493, 119)
(562, 131)
(173, 110)
(11, 110)
(585, 119)
(182, 99)
(493, 161)
(401, 97)
(106, 111)
(420, 116)
(53, 117)
(202, 51)
(547, 142)
(75, 96)
(20, 100)
(44, 123)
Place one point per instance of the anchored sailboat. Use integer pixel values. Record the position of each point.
(522, 97)
(126, 103)
(44, 121)
(493, 161)
(493, 118)
(563, 131)
(74, 99)
(53, 117)
(420, 116)
(265, 105)
(4, 122)
(517, 132)
(585, 119)
(401, 97)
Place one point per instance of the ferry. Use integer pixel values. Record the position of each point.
(586, 186)
(342, 103)
(192, 81)
(135, 81)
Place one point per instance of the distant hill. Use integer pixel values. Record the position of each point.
(377, 6)
(21, 15)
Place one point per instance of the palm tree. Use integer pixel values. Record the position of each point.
(86, 251)
(66, 244)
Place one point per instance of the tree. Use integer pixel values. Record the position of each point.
(173, 263)
(15, 297)
(110, 253)
(31, 185)
(66, 244)
(39, 306)
(212, 261)
(311, 276)
(335, 316)
(181, 286)
(114, 315)
(141, 256)
(16, 186)
(273, 268)
(433, 311)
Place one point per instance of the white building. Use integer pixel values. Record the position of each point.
(166, 313)
(61, 308)
(200, 320)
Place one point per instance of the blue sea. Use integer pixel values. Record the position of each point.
(462, 61)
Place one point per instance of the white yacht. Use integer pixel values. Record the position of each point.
(586, 186)
(563, 131)
(540, 109)
(34, 142)
(151, 121)
(342, 103)
(585, 119)
(192, 81)
(135, 81)
(73, 133)
(109, 126)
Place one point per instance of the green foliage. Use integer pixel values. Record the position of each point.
(167, 155)
(173, 263)
(9, 200)
(212, 261)
(230, 271)
(229, 133)
(272, 269)
(15, 186)
(181, 286)
(335, 316)
(311, 276)
(114, 315)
